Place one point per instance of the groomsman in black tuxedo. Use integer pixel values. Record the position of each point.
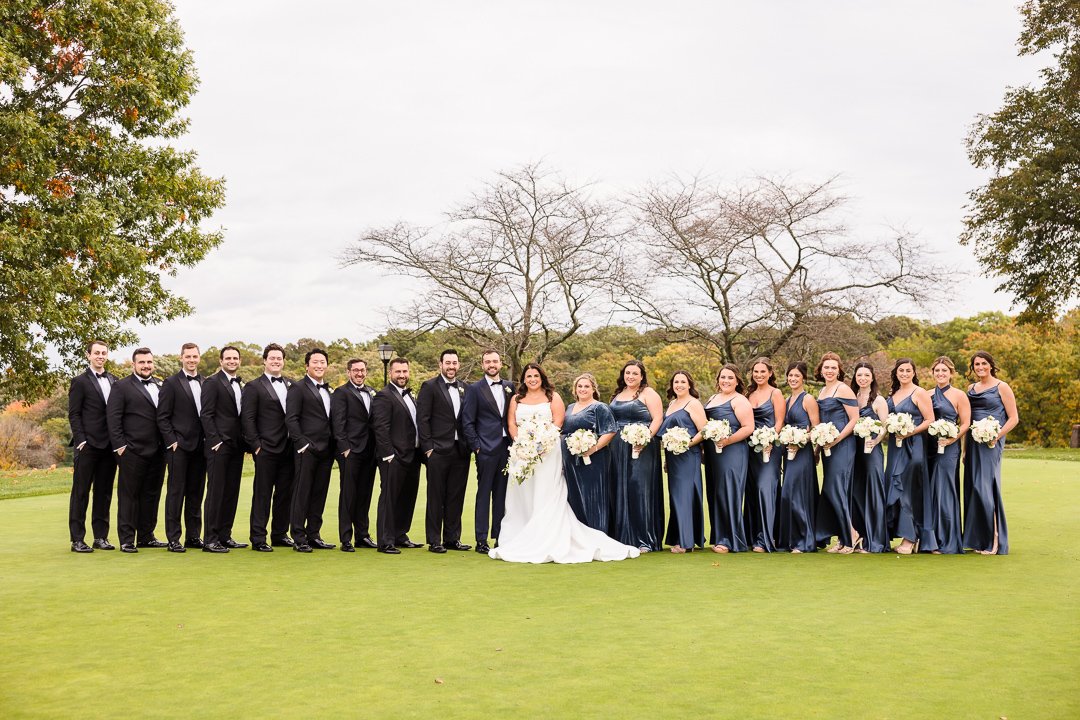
(350, 418)
(225, 446)
(397, 447)
(95, 464)
(483, 419)
(262, 417)
(307, 416)
(178, 412)
(131, 413)
(442, 440)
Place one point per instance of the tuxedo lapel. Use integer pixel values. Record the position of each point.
(186, 385)
(142, 389)
(91, 376)
(489, 398)
(359, 393)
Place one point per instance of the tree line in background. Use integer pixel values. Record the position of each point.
(1041, 363)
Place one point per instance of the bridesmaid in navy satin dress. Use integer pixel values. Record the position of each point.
(944, 497)
(637, 492)
(587, 485)
(905, 470)
(985, 530)
(728, 468)
(868, 480)
(763, 478)
(686, 526)
(836, 404)
(799, 492)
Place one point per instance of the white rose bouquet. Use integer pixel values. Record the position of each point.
(943, 430)
(867, 428)
(535, 438)
(986, 430)
(899, 424)
(823, 434)
(716, 430)
(676, 440)
(794, 437)
(762, 441)
(637, 435)
(580, 442)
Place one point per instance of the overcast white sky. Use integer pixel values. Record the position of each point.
(326, 118)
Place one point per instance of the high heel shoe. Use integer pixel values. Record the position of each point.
(902, 550)
(856, 545)
(722, 549)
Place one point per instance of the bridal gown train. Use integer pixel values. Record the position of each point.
(539, 525)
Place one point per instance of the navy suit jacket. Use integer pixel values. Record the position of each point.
(484, 426)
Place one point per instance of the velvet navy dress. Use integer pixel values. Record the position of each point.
(868, 493)
(982, 478)
(943, 499)
(728, 470)
(799, 492)
(686, 525)
(587, 486)
(763, 487)
(906, 478)
(636, 491)
(834, 505)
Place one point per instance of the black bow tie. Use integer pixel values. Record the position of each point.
(277, 379)
(452, 384)
(147, 382)
(406, 391)
(238, 381)
(322, 386)
(100, 376)
(495, 383)
(192, 378)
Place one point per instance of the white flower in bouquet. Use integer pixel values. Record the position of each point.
(580, 442)
(899, 424)
(824, 434)
(716, 430)
(986, 430)
(676, 440)
(637, 435)
(943, 430)
(762, 440)
(868, 428)
(794, 437)
(535, 438)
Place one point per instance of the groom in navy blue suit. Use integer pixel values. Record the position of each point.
(483, 420)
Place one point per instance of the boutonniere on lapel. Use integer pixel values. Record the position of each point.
(509, 390)
(461, 391)
(370, 392)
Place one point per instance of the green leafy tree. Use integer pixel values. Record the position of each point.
(95, 204)
(1024, 224)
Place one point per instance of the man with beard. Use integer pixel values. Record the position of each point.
(396, 446)
(225, 447)
(350, 418)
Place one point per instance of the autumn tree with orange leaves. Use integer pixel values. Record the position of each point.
(95, 205)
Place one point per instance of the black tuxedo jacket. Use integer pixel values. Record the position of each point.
(86, 410)
(132, 417)
(177, 416)
(306, 417)
(480, 417)
(262, 418)
(220, 419)
(395, 432)
(350, 419)
(435, 416)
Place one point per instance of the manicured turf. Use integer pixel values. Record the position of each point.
(459, 635)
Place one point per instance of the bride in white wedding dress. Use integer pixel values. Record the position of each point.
(539, 525)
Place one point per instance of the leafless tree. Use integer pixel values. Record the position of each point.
(521, 266)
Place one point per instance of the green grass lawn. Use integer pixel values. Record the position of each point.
(458, 635)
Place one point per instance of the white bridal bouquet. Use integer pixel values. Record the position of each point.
(535, 438)
(943, 430)
(899, 424)
(676, 440)
(580, 442)
(762, 440)
(822, 434)
(986, 430)
(866, 428)
(637, 435)
(794, 437)
(716, 430)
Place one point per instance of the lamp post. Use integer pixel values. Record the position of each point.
(385, 353)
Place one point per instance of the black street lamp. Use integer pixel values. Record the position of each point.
(385, 353)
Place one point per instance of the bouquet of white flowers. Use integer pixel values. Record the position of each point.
(823, 434)
(580, 442)
(943, 430)
(676, 440)
(899, 424)
(636, 435)
(535, 438)
(716, 430)
(867, 427)
(794, 437)
(986, 430)
(762, 440)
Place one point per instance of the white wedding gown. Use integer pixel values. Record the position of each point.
(539, 525)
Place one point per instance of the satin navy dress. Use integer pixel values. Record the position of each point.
(799, 493)
(728, 470)
(834, 505)
(636, 491)
(587, 486)
(762, 487)
(868, 493)
(982, 478)
(686, 526)
(943, 499)
(906, 479)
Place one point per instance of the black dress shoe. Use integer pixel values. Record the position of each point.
(302, 547)
(153, 542)
(80, 547)
(389, 550)
(215, 548)
(482, 547)
(347, 547)
(458, 545)
(366, 542)
(261, 547)
(230, 543)
(194, 544)
(437, 549)
(128, 547)
(408, 544)
(283, 542)
(321, 544)
(103, 544)
(176, 547)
